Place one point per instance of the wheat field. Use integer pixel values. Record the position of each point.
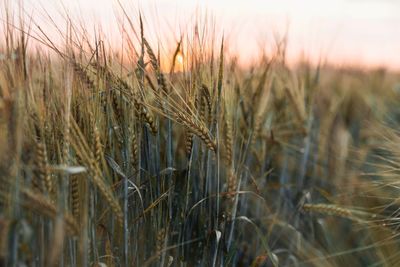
(111, 161)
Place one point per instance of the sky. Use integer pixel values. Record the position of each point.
(356, 32)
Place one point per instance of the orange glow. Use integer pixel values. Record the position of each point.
(361, 32)
(179, 58)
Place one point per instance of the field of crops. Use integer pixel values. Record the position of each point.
(113, 159)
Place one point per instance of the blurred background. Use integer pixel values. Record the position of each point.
(351, 32)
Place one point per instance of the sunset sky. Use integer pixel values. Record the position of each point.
(362, 32)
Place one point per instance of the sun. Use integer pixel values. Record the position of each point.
(179, 58)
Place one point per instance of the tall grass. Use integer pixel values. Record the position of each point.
(111, 162)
